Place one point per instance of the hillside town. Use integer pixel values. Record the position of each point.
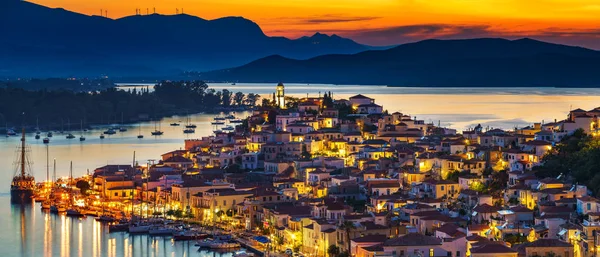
(327, 177)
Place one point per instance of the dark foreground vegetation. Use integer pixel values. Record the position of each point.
(57, 108)
(578, 156)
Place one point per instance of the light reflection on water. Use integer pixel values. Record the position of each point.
(27, 231)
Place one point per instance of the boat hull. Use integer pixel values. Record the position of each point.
(21, 196)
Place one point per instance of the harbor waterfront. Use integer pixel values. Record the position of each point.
(29, 231)
(269, 174)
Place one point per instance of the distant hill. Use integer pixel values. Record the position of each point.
(470, 62)
(41, 41)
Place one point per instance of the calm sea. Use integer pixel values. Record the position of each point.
(30, 232)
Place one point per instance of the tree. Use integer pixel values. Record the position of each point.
(305, 153)
(83, 186)
(347, 227)
(333, 250)
(238, 98)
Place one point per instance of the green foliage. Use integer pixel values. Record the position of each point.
(83, 186)
(333, 250)
(54, 108)
(515, 239)
(577, 155)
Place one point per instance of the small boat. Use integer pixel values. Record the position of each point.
(46, 205)
(101, 136)
(37, 136)
(70, 136)
(242, 253)
(122, 129)
(217, 123)
(156, 133)
(10, 132)
(233, 84)
(236, 121)
(224, 245)
(191, 126)
(110, 131)
(105, 218)
(46, 140)
(54, 208)
(49, 134)
(189, 131)
(160, 231)
(39, 198)
(174, 124)
(81, 138)
(230, 117)
(228, 128)
(61, 208)
(118, 228)
(188, 235)
(138, 229)
(217, 131)
(74, 213)
(219, 118)
(140, 136)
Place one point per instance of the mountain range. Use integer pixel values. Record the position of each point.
(469, 62)
(41, 41)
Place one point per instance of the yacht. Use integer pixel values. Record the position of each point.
(46, 140)
(217, 123)
(37, 136)
(174, 124)
(46, 205)
(228, 128)
(110, 131)
(189, 131)
(74, 212)
(70, 136)
(138, 229)
(49, 134)
(101, 136)
(161, 231)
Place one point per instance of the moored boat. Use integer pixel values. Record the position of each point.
(46, 205)
(138, 229)
(160, 231)
(23, 183)
(74, 212)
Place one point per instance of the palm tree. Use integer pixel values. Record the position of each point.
(347, 226)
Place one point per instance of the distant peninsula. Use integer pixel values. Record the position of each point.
(487, 62)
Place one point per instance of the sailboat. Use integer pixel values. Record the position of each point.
(23, 183)
(48, 184)
(190, 128)
(71, 209)
(37, 129)
(140, 136)
(82, 138)
(69, 136)
(156, 132)
(122, 129)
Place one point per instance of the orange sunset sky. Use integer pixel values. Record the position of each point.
(385, 22)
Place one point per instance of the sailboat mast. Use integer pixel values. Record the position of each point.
(54, 172)
(23, 152)
(71, 173)
(47, 164)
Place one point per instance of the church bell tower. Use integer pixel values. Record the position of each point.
(280, 95)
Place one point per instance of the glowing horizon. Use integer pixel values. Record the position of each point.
(384, 22)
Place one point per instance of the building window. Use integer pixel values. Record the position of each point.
(431, 252)
(589, 206)
(457, 253)
(224, 202)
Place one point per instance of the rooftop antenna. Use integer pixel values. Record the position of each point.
(147, 12)
(176, 10)
(182, 10)
(154, 8)
(106, 13)
(101, 12)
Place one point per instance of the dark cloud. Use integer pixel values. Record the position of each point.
(319, 19)
(395, 35)
(411, 33)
